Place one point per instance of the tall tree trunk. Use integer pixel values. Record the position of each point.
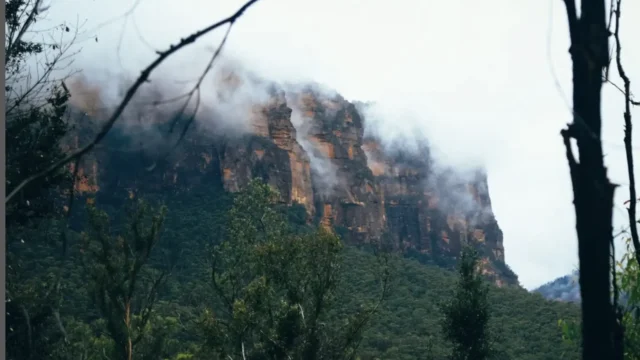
(593, 193)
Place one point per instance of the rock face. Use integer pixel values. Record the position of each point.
(271, 153)
(312, 148)
(346, 192)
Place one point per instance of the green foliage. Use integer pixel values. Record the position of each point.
(33, 144)
(34, 291)
(571, 333)
(35, 120)
(409, 323)
(627, 274)
(406, 325)
(277, 287)
(121, 286)
(466, 315)
(281, 288)
(296, 216)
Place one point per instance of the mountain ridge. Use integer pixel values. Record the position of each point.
(314, 148)
(564, 288)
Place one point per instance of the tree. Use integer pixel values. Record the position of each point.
(628, 325)
(35, 107)
(277, 287)
(592, 190)
(33, 290)
(466, 315)
(628, 281)
(627, 288)
(628, 130)
(124, 289)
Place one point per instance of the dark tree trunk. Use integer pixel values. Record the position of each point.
(593, 193)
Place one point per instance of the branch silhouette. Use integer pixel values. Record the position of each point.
(144, 76)
(627, 136)
(633, 102)
(195, 90)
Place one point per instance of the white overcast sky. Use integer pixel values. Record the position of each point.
(488, 81)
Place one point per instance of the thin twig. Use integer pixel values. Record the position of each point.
(196, 87)
(144, 76)
(627, 136)
(14, 41)
(633, 102)
(189, 95)
(31, 94)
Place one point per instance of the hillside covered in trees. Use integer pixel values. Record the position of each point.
(405, 326)
(298, 234)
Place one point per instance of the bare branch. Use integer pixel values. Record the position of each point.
(113, 19)
(144, 76)
(189, 95)
(633, 102)
(138, 32)
(573, 164)
(627, 135)
(29, 89)
(41, 80)
(205, 72)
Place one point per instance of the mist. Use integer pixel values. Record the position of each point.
(323, 170)
(488, 84)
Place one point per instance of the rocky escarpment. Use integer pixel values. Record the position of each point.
(272, 153)
(312, 148)
(347, 196)
(434, 212)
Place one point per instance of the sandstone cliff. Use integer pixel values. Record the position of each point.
(312, 148)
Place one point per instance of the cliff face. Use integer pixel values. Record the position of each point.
(346, 194)
(313, 150)
(272, 153)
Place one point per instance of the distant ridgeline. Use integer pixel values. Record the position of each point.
(565, 288)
